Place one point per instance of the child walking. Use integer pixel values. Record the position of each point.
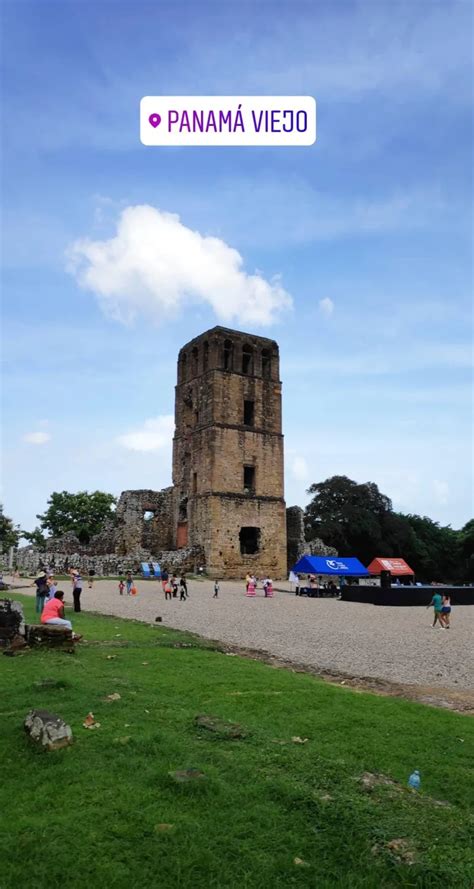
(183, 587)
(121, 586)
(216, 589)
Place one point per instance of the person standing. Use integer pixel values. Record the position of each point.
(129, 583)
(437, 610)
(121, 585)
(77, 590)
(52, 587)
(164, 579)
(90, 577)
(216, 589)
(183, 588)
(174, 585)
(446, 610)
(168, 590)
(251, 587)
(42, 591)
(247, 581)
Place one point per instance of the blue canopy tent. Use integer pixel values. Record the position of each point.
(335, 565)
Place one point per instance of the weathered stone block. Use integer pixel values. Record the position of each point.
(50, 636)
(48, 730)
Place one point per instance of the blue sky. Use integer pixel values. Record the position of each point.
(367, 234)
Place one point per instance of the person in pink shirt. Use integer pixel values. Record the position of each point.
(53, 613)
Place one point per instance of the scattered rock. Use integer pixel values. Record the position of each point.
(326, 797)
(297, 740)
(48, 730)
(220, 727)
(18, 643)
(182, 776)
(90, 721)
(124, 740)
(111, 657)
(299, 862)
(113, 697)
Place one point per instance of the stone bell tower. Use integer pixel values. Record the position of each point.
(228, 454)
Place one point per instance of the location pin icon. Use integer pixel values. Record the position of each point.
(154, 119)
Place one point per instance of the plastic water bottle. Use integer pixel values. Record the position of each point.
(414, 780)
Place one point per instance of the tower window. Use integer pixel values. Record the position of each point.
(148, 515)
(205, 356)
(266, 364)
(247, 360)
(249, 541)
(249, 413)
(249, 479)
(194, 358)
(228, 354)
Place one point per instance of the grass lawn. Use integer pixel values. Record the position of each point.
(270, 813)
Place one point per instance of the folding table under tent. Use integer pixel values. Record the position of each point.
(335, 566)
(397, 567)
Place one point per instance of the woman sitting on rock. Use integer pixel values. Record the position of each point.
(53, 614)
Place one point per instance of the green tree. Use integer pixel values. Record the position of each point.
(348, 516)
(466, 541)
(359, 520)
(83, 513)
(440, 550)
(35, 537)
(9, 533)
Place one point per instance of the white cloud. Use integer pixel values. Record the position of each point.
(327, 306)
(155, 435)
(37, 438)
(299, 469)
(155, 266)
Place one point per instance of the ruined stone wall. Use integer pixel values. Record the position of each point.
(297, 546)
(295, 534)
(133, 532)
(29, 560)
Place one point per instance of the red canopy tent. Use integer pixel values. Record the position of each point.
(397, 567)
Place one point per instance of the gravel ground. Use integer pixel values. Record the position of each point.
(395, 644)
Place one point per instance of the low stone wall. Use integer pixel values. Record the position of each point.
(29, 560)
(297, 545)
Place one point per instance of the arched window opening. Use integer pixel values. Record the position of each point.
(247, 359)
(194, 358)
(266, 364)
(228, 354)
